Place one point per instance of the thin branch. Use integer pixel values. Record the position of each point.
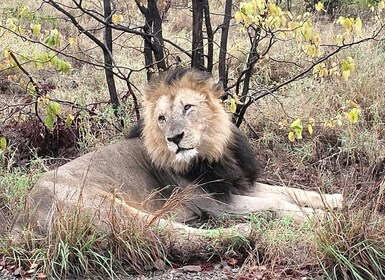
(130, 30)
(31, 80)
(210, 36)
(265, 92)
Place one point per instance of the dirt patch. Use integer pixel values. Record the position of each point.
(32, 138)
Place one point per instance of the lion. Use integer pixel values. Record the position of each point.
(186, 138)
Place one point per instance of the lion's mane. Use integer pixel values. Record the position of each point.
(226, 163)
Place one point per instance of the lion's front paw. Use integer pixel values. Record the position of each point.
(334, 201)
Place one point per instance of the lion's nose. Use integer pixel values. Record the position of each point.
(176, 138)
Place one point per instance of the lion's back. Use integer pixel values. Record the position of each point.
(121, 169)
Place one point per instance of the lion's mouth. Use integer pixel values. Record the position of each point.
(180, 149)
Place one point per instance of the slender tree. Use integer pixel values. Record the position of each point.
(197, 59)
(223, 71)
(107, 54)
(153, 38)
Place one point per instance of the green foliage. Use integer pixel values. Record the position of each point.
(29, 24)
(37, 29)
(269, 24)
(351, 113)
(297, 128)
(51, 113)
(15, 185)
(283, 25)
(23, 13)
(3, 144)
(233, 105)
(53, 39)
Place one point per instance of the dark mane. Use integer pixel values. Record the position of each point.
(135, 130)
(174, 75)
(234, 173)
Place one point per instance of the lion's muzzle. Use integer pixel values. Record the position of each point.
(176, 139)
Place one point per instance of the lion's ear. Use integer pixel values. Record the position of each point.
(218, 89)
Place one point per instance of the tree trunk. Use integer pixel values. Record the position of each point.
(153, 40)
(197, 59)
(210, 37)
(107, 54)
(155, 24)
(223, 72)
(148, 57)
(251, 60)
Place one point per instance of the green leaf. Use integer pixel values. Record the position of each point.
(3, 143)
(345, 65)
(64, 66)
(36, 28)
(233, 106)
(297, 128)
(53, 38)
(49, 121)
(353, 115)
(310, 129)
(44, 57)
(296, 124)
(298, 133)
(54, 60)
(53, 108)
(291, 136)
(238, 16)
(69, 119)
(116, 19)
(319, 7)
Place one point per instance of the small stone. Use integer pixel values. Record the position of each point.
(218, 266)
(235, 270)
(192, 268)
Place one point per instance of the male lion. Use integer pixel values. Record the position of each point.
(186, 138)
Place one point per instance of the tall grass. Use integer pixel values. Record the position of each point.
(351, 243)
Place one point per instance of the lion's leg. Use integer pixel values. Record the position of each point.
(179, 232)
(277, 205)
(293, 195)
(241, 205)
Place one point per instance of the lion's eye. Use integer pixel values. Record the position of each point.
(187, 106)
(161, 119)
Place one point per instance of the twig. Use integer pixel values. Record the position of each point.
(265, 92)
(31, 80)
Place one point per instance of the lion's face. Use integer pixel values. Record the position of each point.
(183, 121)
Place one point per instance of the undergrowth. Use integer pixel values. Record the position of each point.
(75, 247)
(351, 242)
